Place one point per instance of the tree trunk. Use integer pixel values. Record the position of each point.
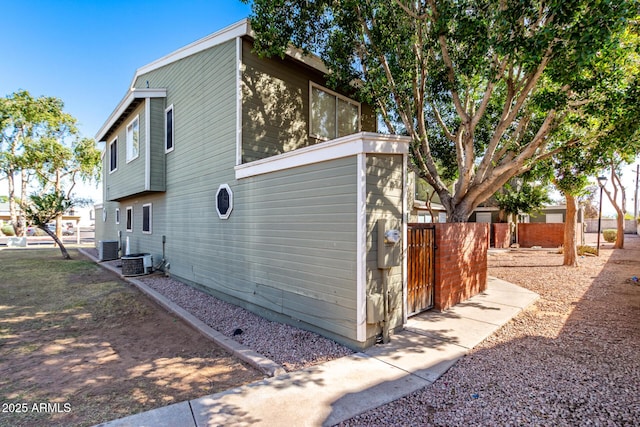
(460, 213)
(13, 211)
(23, 197)
(619, 244)
(65, 254)
(570, 242)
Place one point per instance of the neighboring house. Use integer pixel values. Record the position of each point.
(259, 185)
(553, 214)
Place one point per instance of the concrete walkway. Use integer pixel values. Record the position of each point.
(326, 394)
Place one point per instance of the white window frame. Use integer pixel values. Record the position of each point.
(113, 142)
(150, 206)
(117, 215)
(227, 214)
(312, 86)
(173, 128)
(129, 139)
(129, 219)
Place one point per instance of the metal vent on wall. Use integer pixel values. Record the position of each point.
(107, 250)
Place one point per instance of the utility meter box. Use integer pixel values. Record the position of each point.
(389, 244)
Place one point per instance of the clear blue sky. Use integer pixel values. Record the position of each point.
(86, 52)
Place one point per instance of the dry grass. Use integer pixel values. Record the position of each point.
(75, 335)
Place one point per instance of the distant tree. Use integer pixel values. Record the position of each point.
(587, 201)
(479, 86)
(42, 209)
(523, 195)
(40, 145)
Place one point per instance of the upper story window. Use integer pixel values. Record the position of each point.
(133, 139)
(332, 115)
(168, 129)
(113, 155)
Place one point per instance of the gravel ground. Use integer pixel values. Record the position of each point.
(573, 358)
(291, 347)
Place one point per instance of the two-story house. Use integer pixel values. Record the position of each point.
(261, 186)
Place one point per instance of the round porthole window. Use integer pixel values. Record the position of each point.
(224, 201)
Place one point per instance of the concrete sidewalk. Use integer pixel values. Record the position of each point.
(334, 391)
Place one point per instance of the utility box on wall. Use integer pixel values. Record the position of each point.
(389, 244)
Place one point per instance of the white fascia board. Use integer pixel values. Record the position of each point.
(231, 32)
(350, 145)
(131, 95)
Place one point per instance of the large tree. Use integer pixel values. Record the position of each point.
(40, 146)
(478, 85)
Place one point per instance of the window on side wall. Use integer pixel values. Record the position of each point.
(133, 139)
(332, 115)
(130, 218)
(146, 218)
(168, 129)
(117, 215)
(113, 155)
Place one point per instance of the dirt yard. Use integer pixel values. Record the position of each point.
(78, 346)
(570, 359)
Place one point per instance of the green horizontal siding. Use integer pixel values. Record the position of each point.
(129, 178)
(384, 201)
(157, 172)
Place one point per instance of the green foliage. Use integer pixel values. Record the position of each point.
(479, 86)
(7, 230)
(525, 197)
(44, 209)
(587, 250)
(39, 143)
(609, 235)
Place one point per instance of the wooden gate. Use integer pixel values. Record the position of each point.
(421, 267)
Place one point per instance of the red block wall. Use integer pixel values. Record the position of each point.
(461, 262)
(501, 235)
(540, 234)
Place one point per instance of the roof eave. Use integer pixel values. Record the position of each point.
(128, 99)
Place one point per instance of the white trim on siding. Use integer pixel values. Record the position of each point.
(129, 219)
(150, 218)
(361, 251)
(405, 220)
(147, 144)
(238, 101)
(173, 129)
(350, 145)
(113, 141)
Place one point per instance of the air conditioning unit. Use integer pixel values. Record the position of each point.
(137, 264)
(107, 250)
